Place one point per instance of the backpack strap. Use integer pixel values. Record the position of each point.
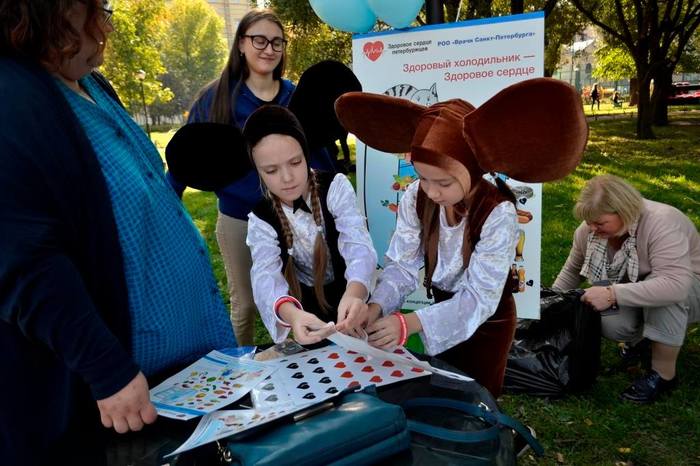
(495, 419)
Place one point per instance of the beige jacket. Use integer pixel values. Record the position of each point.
(668, 246)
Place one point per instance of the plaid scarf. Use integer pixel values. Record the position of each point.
(596, 267)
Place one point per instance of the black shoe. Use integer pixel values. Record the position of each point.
(648, 388)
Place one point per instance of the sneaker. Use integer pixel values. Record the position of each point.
(648, 388)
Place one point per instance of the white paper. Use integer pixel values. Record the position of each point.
(208, 384)
(220, 424)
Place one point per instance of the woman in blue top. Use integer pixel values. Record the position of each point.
(104, 279)
(252, 78)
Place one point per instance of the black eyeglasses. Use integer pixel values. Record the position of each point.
(260, 42)
(107, 12)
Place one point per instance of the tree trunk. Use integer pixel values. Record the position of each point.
(645, 112)
(634, 92)
(659, 99)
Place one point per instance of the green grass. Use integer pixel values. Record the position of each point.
(594, 427)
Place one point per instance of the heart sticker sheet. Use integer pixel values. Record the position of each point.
(319, 374)
(397, 356)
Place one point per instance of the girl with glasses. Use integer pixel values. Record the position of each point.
(253, 77)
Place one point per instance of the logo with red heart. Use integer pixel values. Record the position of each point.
(373, 50)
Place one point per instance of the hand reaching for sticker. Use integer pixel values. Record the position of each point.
(384, 333)
(309, 329)
(352, 309)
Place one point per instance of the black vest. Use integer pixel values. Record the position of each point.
(333, 290)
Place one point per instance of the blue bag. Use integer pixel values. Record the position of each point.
(454, 423)
(359, 429)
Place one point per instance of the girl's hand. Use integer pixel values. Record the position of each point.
(374, 312)
(385, 332)
(352, 312)
(309, 329)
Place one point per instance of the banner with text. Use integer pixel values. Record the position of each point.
(470, 60)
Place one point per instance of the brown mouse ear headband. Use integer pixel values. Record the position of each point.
(533, 131)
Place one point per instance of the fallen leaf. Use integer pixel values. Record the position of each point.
(588, 422)
(560, 458)
(624, 450)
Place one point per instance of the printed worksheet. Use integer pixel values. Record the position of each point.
(220, 424)
(207, 385)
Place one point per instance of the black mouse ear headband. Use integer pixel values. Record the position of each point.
(210, 156)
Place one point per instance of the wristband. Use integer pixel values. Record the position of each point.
(404, 328)
(279, 302)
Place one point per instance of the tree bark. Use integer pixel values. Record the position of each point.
(645, 111)
(659, 99)
(634, 92)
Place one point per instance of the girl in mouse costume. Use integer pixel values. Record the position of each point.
(458, 225)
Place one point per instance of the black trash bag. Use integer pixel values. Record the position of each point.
(558, 354)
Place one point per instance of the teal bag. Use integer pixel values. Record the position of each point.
(358, 429)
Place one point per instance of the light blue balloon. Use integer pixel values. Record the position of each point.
(345, 15)
(396, 13)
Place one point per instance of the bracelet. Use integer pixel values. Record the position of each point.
(279, 302)
(611, 300)
(404, 328)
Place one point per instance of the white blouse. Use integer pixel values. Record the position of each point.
(477, 289)
(354, 245)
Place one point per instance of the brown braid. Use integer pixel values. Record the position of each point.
(320, 248)
(429, 236)
(290, 271)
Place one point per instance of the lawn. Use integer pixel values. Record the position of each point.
(594, 428)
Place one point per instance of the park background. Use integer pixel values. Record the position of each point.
(163, 52)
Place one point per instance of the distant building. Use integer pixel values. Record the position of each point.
(231, 11)
(577, 60)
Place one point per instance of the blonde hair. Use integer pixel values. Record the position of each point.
(609, 194)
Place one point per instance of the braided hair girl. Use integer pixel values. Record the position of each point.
(313, 258)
